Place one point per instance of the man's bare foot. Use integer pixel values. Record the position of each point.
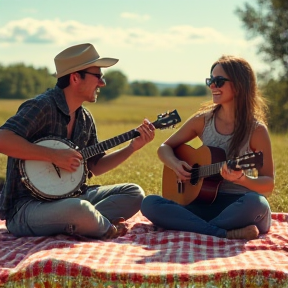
(249, 233)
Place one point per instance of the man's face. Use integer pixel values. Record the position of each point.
(91, 84)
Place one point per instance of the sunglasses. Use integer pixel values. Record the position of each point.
(219, 81)
(99, 76)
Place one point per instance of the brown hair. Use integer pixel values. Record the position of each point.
(249, 105)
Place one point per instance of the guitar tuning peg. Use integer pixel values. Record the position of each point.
(162, 115)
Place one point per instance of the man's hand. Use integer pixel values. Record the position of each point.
(147, 133)
(67, 159)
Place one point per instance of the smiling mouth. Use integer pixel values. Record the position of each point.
(216, 93)
(97, 91)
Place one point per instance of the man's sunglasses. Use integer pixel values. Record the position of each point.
(219, 81)
(99, 76)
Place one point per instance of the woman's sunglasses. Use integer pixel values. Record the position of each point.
(219, 81)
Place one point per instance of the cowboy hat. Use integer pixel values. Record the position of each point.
(79, 57)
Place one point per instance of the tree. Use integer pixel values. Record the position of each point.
(150, 89)
(137, 88)
(199, 90)
(278, 104)
(182, 90)
(269, 20)
(144, 88)
(116, 84)
(169, 91)
(22, 82)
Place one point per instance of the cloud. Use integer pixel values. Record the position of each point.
(134, 16)
(29, 30)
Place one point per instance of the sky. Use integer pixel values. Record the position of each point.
(155, 40)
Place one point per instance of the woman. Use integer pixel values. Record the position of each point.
(235, 121)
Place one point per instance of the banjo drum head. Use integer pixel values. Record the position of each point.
(44, 179)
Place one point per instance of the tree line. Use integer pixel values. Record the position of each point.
(19, 81)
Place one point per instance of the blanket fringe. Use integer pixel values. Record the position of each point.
(53, 281)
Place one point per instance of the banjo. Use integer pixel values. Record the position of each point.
(46, 181)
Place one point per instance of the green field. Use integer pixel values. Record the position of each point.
(144, 168)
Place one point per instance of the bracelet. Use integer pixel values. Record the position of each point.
(241, 176)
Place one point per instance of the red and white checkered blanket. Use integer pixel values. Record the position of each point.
(146, 257)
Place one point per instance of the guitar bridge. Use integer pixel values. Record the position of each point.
(180, 186)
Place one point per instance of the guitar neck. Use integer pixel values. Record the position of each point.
(100, 147)
(209, 170)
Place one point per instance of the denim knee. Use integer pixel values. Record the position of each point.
(256, 201)
(85, 220)
(261, 210)
(138, 191)
(136, 195)
(149, 205)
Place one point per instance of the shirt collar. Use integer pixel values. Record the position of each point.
(60, 100)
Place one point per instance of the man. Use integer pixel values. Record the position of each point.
(96, 211)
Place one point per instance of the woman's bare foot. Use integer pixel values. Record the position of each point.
(249, 233)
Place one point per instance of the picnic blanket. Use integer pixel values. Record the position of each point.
(146, 257)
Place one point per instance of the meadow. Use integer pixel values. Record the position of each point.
(144, 167)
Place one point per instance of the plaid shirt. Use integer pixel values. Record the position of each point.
(43, 116)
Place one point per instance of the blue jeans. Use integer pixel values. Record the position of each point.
(87, 215)
(214, 219)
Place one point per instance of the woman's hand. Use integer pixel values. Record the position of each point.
(182, 170)
(231, 175)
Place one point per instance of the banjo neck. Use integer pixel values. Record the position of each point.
(164, 120)
(100, 147)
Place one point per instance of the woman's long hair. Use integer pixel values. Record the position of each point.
(249, 105)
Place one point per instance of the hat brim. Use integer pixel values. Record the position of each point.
(101, 62)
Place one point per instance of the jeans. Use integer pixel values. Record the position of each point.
(240, 211)
(88, 215)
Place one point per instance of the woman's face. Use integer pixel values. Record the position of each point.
(225, 93)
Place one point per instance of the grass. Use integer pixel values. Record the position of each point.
(144, 167)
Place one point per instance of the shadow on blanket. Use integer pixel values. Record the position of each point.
(177, 247)
(146, 257)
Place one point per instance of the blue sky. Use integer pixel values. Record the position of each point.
(155, 40)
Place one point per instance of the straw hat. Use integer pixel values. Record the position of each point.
(79, 57)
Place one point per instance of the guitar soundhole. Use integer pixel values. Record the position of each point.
(194, 174)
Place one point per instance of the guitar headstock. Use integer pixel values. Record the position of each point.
(247, 161)
(167, 119)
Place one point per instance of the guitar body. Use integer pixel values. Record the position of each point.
(42, 179)
(201, 189)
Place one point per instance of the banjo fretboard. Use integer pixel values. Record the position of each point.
(98, 148)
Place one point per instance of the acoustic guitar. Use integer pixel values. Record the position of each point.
(49, 182)
(206, 162)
